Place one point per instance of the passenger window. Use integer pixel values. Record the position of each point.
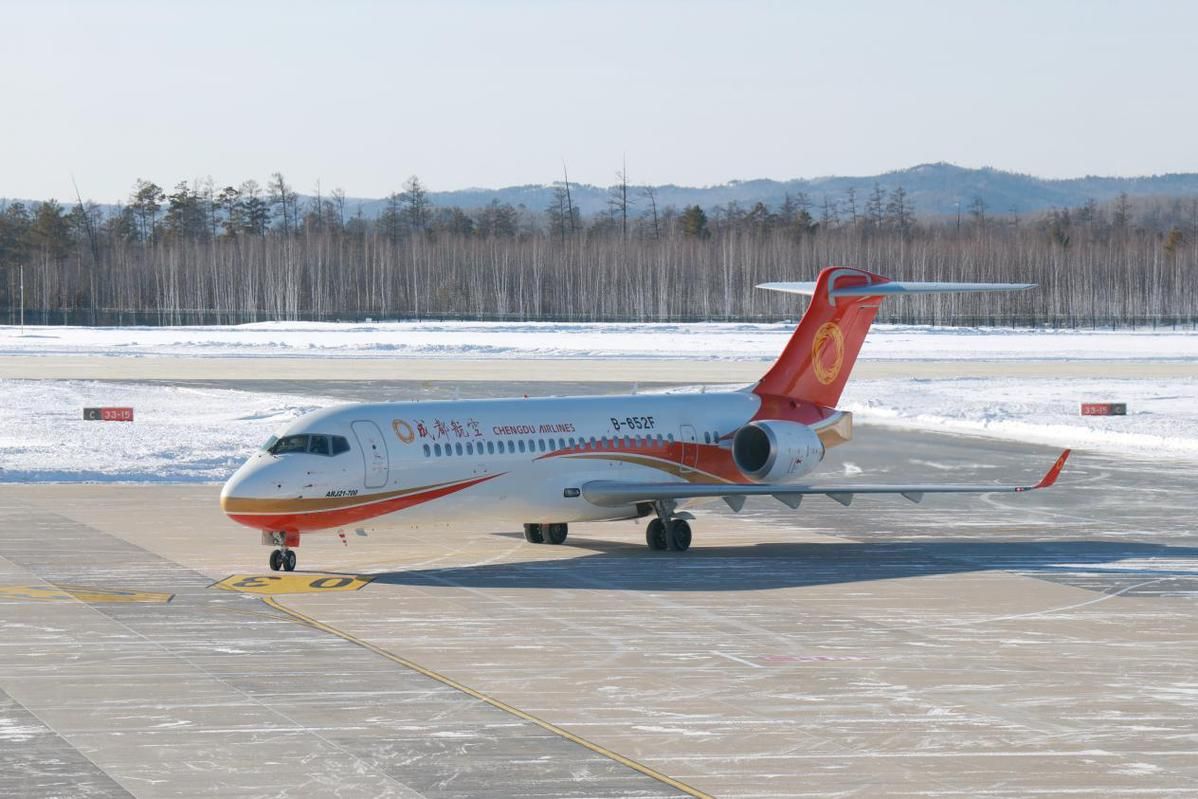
(670, 438)
(541, 444)
(319, 445)
(469, 448)
(457, 448)
(571, 442)
(426, 450)
(706, 437)
(437, 450)
(490, 447)
(521, 445)
(340, 444)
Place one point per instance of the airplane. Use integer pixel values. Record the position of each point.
(548, 462)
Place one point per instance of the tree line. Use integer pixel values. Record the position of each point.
(200, 254)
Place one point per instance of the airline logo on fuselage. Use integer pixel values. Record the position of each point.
(827, 352)
(403, 431)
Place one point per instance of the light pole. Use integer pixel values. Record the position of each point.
(21, 280)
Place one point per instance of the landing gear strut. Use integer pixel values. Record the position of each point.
(546, 533)
(668, 531)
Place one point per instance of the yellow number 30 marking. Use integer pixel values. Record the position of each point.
(291, 583)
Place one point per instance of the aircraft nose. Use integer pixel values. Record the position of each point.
(254, 480)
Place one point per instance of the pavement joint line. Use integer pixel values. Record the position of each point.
(490, 700)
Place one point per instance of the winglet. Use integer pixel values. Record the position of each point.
(1052, 474)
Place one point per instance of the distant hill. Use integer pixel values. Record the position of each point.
(933, 188)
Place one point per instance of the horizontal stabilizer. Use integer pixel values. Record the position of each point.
(895, 287)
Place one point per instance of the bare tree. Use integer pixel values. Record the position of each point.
(650, 194)
(617, 201)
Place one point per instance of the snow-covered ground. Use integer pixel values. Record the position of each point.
(192, 434)
(202, 434)
(179, 434)
(739, 341)
(1161, 420)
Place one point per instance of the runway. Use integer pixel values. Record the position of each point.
(1005, 646)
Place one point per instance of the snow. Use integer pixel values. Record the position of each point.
(734, 341)
(202, 434)
(1161, 420)
(179, 434)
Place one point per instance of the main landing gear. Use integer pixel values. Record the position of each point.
(284, 556)
(668, 531)
(546, 533)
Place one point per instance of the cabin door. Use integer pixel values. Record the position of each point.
(374, 453)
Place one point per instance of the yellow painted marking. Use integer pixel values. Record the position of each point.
(492, 701)
(80, 593)
(291, 583)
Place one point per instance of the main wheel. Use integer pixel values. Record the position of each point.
(276, 559)
(680, 535)
(655, 535)
(533, 534)
(289, 560)
(556, 533)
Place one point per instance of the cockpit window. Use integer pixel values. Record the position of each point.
(315, 444)
(270, 442)
(289, 444)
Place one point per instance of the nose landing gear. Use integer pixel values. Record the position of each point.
(283, 556)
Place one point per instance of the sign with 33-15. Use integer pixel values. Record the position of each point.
(108, 414)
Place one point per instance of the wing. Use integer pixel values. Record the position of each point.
(612, 493)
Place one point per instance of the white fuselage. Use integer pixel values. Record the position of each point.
(505, 460)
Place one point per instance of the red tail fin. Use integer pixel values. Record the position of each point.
(817, 360)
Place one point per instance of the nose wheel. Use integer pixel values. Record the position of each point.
(282, 559)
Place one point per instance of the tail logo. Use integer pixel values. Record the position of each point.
(827, 352)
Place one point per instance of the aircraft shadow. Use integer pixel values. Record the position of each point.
(760, 567)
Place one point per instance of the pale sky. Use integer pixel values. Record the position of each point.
(363, 94)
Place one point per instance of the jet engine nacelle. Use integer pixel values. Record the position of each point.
(773, 451)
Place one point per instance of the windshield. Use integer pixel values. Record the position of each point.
(313, 444)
